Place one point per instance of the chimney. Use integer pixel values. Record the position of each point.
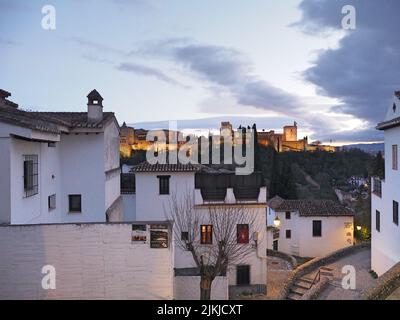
(4, 101)
(95, 106)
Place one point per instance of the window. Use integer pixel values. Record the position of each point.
(394, 157)
(395, 212)
(164, 184)
(243, 275)
(206, 234)
(185, 236)
(52, 202)
(242, 233)
(31, 181)
(75, 203)
(317, 228)
(51, 144)
(287, 215)
(378, 221)
(288, 234)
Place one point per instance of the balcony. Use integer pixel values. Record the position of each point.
(231, 195)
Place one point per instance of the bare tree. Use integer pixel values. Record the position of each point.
(225, 251)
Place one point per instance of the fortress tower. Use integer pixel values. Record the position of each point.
(290, 133)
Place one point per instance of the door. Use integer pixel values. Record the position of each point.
(243, 275)
(275, 245)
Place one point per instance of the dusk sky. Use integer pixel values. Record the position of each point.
(269, 62)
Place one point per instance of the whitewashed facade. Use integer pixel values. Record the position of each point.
(59, 167)
(150, 204)
(90, 260)
(309, 228)
(385, 197)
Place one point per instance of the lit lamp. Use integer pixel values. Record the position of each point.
(277, 222)
(358, 228)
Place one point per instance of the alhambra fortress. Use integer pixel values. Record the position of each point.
(132, 139)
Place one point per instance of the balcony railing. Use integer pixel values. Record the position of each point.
(377, 187)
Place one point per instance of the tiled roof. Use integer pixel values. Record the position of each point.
(314, 208)
(179, 167)
(26, 119)
(75, 119)
(389, 124)
(50, 121)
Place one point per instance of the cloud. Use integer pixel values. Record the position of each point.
(7, 42)
(227, 69)
(95, 45)
(363, 72)
(147, 71)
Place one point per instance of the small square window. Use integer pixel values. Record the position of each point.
(288, 215)
(51, 144)
(185, 236)
(75, 203)
(288, 234)
(52, 202)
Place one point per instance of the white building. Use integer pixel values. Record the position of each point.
(156, 185)
(386, 197)
(59, 167)
(308, 228)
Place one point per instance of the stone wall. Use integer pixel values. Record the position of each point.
(292, 260)
(91, 261)
(316, 263)
(385, 285)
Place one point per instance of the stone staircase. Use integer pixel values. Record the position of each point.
(302, 285)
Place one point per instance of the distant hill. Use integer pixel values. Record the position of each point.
(367, 147)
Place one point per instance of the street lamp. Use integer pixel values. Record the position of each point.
(277, 222)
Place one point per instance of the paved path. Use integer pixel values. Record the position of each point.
(361, 260)
(278, 270)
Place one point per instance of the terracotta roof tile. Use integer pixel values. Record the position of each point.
(314, 208)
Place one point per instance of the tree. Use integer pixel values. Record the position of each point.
(225, 251)
(378, 166)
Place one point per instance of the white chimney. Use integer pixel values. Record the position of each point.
(95, 106)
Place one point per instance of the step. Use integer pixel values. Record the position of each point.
(302, 285)
(327, 273)
(326, 269)
(298, 290)
(293, 296)
(307, 280)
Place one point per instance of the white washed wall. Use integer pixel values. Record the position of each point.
(385, 244)
(188, 288)
(92, 261)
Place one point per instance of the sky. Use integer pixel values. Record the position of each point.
(200, 62)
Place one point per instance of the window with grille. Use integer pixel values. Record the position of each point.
(394, 157)
(317, 228)
(206, 234)
(31, 178)
(164, 184)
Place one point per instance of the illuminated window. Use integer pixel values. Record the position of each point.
(206, 234)
(242, 233)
